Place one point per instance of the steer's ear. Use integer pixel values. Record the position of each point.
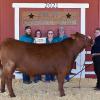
(73, 36)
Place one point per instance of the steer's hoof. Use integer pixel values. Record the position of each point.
(2, 90)
(12, 95)
(63, 94)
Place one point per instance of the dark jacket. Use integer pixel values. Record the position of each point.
(96, 46)
(26, 38)
(53, 41)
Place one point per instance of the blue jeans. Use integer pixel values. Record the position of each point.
(37, 78)
(26, 77)
(49, 77)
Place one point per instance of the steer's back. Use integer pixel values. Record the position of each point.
(34, 56)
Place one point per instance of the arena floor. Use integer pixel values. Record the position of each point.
(49, 91)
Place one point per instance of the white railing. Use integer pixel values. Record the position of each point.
(88, 62)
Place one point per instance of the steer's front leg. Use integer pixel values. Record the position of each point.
(9, 86)
(60, 84)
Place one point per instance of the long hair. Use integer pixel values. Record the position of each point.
(37, 31)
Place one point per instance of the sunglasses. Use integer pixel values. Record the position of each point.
(50, 33)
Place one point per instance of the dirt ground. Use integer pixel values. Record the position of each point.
(49, 91)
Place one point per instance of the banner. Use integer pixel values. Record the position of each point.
(51, 17)
(40, 40)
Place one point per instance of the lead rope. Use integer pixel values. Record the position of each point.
(83, 68)
(78, 72)
(81, 72)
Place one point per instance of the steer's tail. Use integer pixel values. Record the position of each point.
(0, 53)
(1, 67)
(0, 58)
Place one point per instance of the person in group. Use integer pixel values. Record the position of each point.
(95, 51)
(50, 39)
(27, 37)
(38, 34)
(62, 36)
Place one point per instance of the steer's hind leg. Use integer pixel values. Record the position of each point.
(60, 78)
(9, 69)
(9, 86)
(2, 83)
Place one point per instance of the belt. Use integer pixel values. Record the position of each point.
(96, 54)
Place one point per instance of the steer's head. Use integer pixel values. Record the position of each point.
(82, 39)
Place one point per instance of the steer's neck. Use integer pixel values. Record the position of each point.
(74, 46)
